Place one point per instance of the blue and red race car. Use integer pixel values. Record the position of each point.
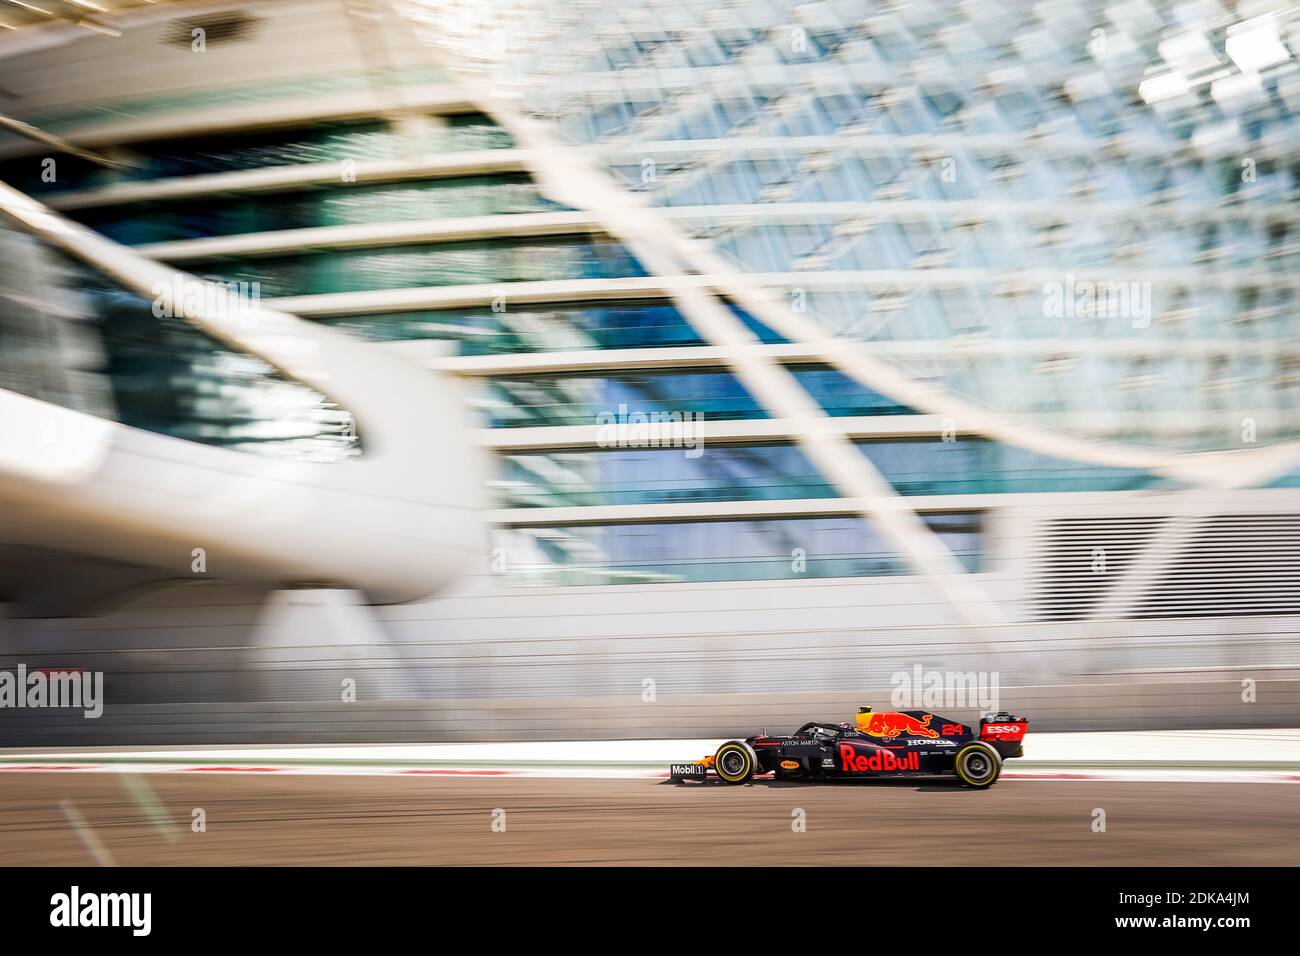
(887, 744)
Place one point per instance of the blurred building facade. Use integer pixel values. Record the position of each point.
(615, 369)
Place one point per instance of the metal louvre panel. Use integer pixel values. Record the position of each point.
(1083, 559)
(1235, 564)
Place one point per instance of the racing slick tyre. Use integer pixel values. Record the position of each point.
(735, 762)
(977, 765)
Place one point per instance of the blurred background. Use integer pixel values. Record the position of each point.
(984, 315)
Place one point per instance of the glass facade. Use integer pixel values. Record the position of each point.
(361, 204)
(405, 267)
(596, 398)
(71, 337)
(990, 197)
(977, 466)
(640, 476)
(1046, 179)
(235, 152)
(330, 81)
(541, 328)
(703, 551)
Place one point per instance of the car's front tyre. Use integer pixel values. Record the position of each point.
(735, 762)
(977, 765)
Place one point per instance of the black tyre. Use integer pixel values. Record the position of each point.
(977, 765)
(735, 762)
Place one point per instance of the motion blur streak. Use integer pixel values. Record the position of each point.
(448, 821)
(1000, 296)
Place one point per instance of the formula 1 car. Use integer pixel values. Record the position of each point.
(888, 744)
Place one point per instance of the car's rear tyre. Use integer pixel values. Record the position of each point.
(978, 765)
(735, 762)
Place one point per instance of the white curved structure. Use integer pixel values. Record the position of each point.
(397, 523)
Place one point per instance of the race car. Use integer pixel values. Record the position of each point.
(909, 743)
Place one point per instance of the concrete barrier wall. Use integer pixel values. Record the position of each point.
(1158, 705)
(208, 663)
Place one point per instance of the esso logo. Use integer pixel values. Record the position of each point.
(1002, 728)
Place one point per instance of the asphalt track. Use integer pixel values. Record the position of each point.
(131, 819)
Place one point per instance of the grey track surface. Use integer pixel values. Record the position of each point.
(445, 820)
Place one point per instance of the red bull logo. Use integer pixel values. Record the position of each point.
(890, 725)
(882, 761)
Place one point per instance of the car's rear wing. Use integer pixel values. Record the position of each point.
(1005, 732)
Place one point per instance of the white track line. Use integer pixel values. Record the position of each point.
(1144, 775)
(1153, 756)
(1046, 749)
